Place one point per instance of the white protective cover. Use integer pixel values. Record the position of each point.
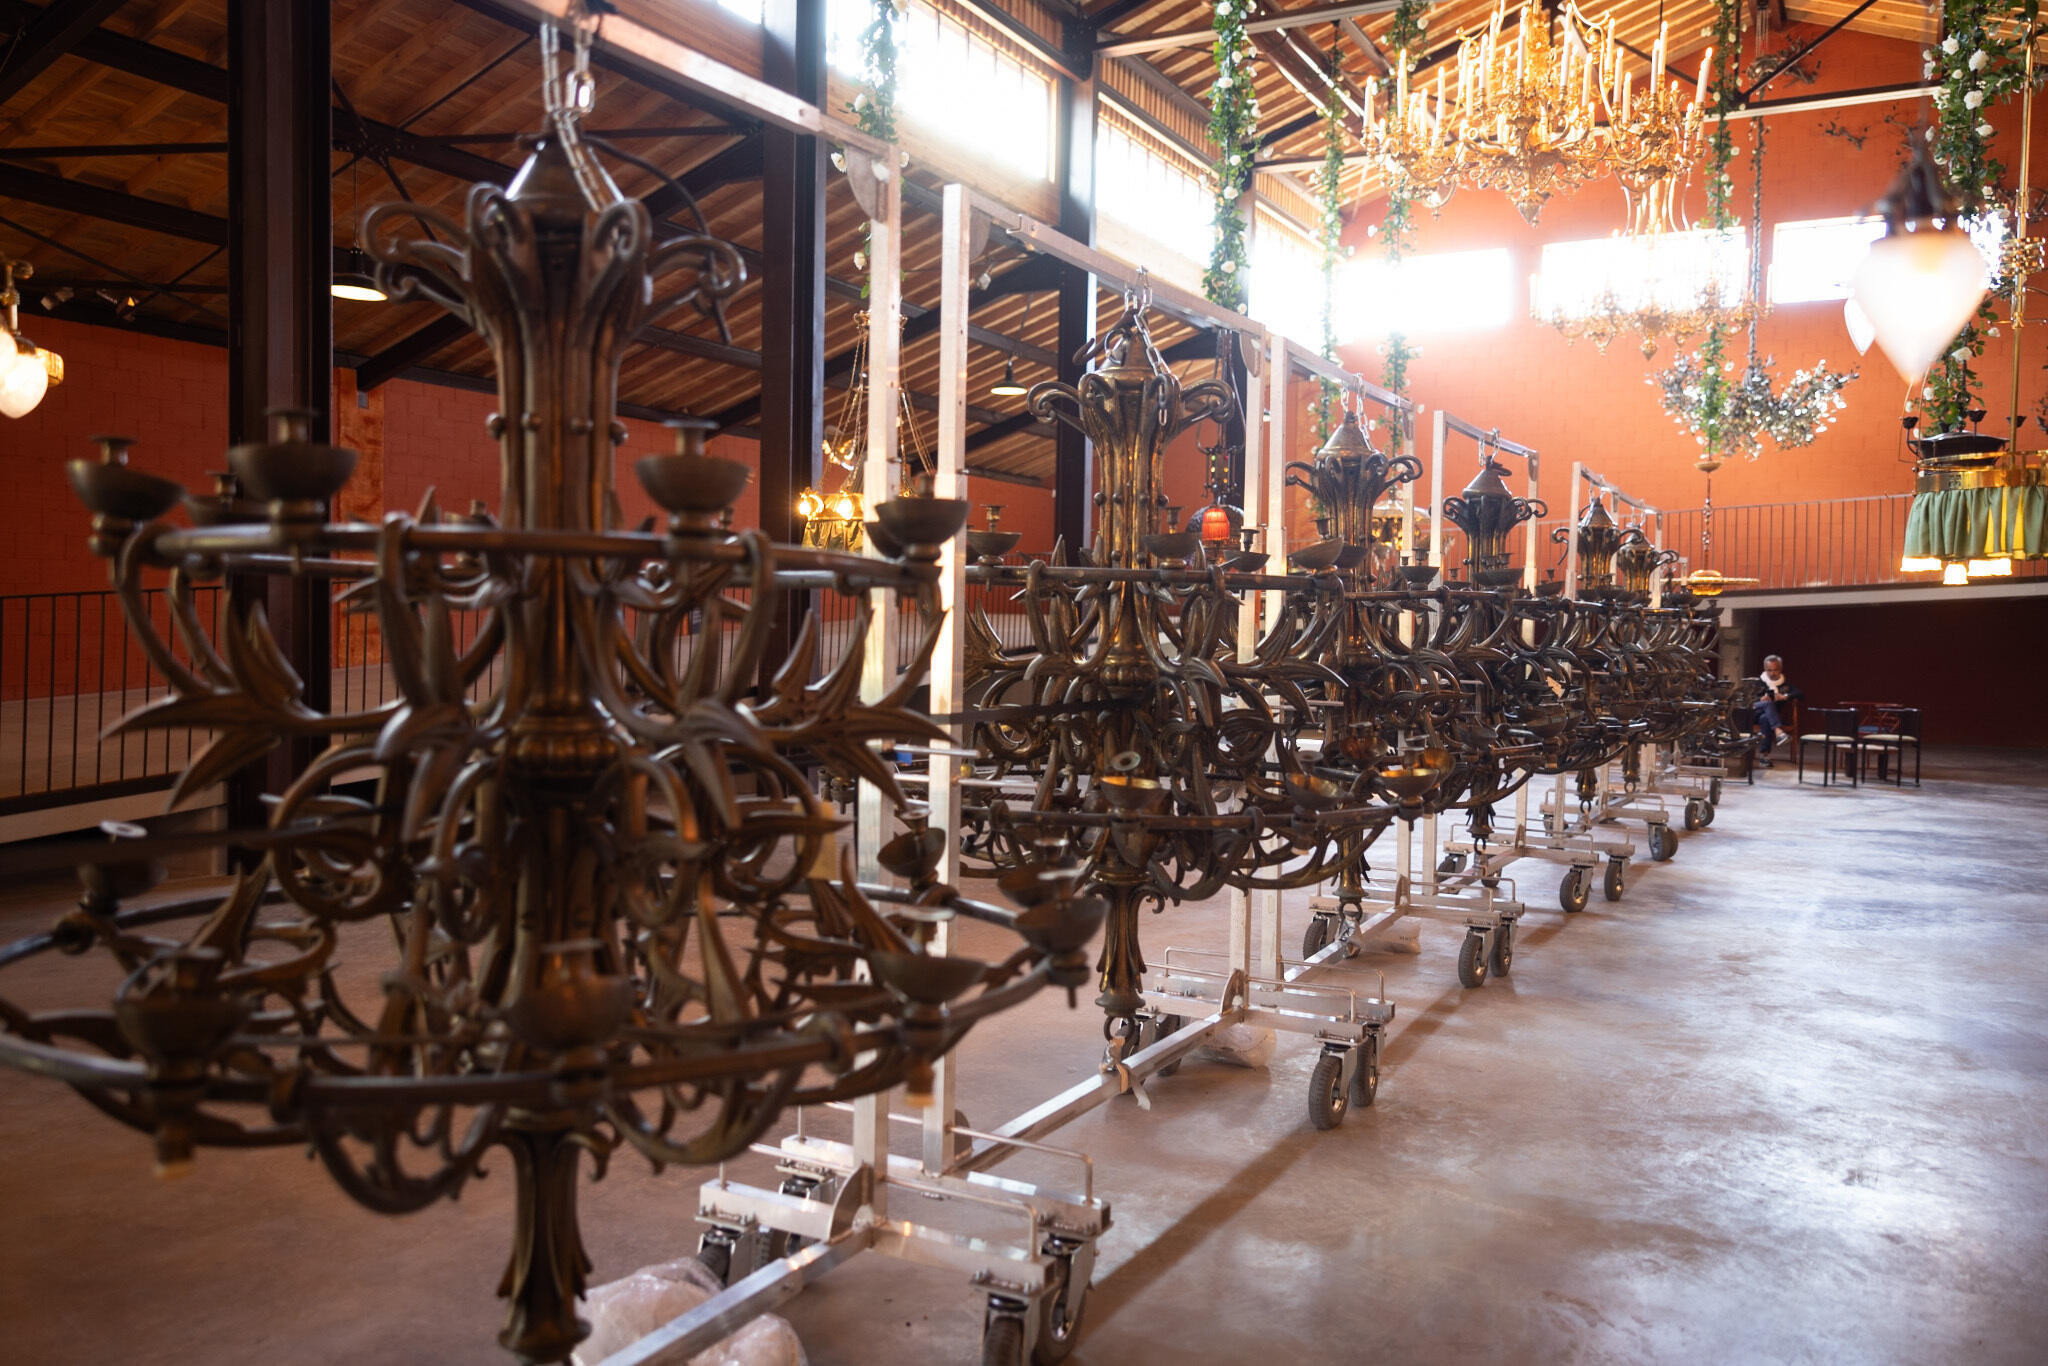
(622, 1312)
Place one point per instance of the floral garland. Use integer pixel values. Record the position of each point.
(1707, 384)
(1397, 225)
(1330, 239)
(874, 106)
(1234, 128)
(1977, 68)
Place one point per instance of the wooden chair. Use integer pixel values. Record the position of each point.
(1836, 735)
(1888, 733)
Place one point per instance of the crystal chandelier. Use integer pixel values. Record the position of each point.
(1661, 281)
(1534, 117)
(1751, 407)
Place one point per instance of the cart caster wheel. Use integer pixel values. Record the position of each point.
(1707, 813)
(1002, 1338)
(1549, 825)
(1504, 948)
(1327, 1103)
(714, 1250)
(1714, 792)
(780, 1244)
(1060, 1310)
(1489, 882)
(1321, 929)
(1612, 884)
(1472, 960)
(1171, 1024)
(1365, 1082)
(1575, 890)
(1696, 814)
(1452, 862)
(1663, 844)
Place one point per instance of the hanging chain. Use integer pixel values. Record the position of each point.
(568, 96)
(1756, 239)
(1707, 527)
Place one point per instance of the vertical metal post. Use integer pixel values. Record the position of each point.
(1657, 583)
(955, 261)
(280, 315)
(878, 480)
(1268, 377)
(1438, 434)
(791, 424)
(1073, 483)
(1571, 540)
(879, 476)
(1529, 535)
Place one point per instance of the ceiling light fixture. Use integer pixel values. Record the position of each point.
(26, 370)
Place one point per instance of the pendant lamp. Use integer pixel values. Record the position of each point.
(1924, 278)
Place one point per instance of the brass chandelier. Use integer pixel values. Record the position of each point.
(838, 520)
(592, 901)
(1534, 117)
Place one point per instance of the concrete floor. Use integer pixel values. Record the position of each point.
(1781, 1104)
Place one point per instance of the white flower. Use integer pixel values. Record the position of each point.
(860, 101)
(1973, 99)
(1927, 71)
(860, 260)
(1979, 59)
(1940, 100)
(1230, 267)
(1950, 45)
(1985, 130)
(1927, 391)
(1994, 331)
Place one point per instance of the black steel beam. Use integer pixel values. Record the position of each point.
(1038, 273)
(1073, 480)
(1000, 431)
(1115, 12)
(280, 315)
(56, 30)
(410, 350)
(132, 55)
(112, 149)
(115, 206)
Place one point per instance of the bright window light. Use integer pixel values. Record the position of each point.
(1287, 283)
(955, 86)
(749, 10)
(1816, 259)
(1453, 291)
(1670, 269)
(1153, 193)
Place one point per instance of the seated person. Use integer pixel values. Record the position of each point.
(1777, 691)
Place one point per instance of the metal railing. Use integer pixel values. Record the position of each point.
(1830, 543)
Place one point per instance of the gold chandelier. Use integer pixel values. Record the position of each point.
(837, 520)
(1534, 117)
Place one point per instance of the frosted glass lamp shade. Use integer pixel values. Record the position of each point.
(26, 381)
(1860, 330)
(1918, 289)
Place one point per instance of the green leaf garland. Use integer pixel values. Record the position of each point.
(1234, 129)
(1977, 67)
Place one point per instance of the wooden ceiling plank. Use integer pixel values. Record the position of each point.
(55, 32)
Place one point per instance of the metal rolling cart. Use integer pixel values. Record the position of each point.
(1029, 1249)
(1462, 882)
(1619, 791)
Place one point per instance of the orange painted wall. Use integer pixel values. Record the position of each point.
(1570, 402)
